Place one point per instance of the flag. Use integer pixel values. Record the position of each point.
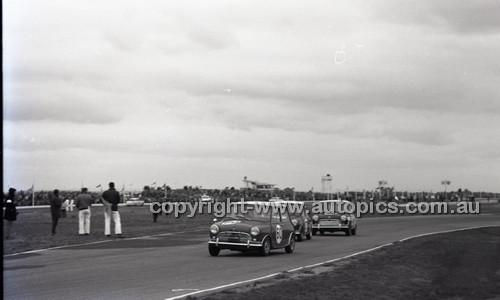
(31, 189)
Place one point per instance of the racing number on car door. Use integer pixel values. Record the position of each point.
(279, 234)
(276, 229)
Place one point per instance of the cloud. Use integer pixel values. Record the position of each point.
(211, 39)
(421, 137)
(189, 89)
(460, 17)
(41, 102)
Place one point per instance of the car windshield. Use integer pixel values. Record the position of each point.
(334, 207)
(248, 213)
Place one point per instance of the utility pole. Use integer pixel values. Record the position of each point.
(326, 185)
(381, 184)
(445, 183)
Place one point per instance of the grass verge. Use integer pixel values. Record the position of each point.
(456, 265)
(32, 230)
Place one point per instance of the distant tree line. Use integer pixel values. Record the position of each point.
(192, 194)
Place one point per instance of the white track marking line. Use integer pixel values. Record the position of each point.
(100, 242)
(322, 263)
(444, 231)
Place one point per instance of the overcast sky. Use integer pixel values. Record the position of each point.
(203, 93)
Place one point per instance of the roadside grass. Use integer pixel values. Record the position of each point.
(32, 229)
(456, 265)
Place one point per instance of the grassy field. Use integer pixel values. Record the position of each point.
(32, 230)
(457, 265)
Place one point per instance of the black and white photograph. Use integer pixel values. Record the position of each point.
(219, 150)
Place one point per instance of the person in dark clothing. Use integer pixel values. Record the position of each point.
(110, 200)
(156, 214)
(10, 211)
(55, 208)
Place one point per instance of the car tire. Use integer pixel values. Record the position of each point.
(300, 237)
(314, 231)
(308, 236)
(322, 232)
(213, 250)
(354, 231)
(291, 246)
(266, 247)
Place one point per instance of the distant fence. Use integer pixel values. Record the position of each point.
(487, 200)
(47, 206)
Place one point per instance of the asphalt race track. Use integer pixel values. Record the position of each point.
(177, 264)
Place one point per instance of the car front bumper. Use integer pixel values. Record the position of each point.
(227, 244)
(235, 240)
(330, 225)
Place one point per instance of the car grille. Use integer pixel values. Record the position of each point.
(329, 222)
(234, 237)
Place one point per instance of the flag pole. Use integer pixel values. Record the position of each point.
(33, 194)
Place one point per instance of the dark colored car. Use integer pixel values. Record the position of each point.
(334, 215)
(258, 226)
(301, 220)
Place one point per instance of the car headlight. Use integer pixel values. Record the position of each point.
(343, 218)
(315, 218)
(254, 231)
(294, 222)
(214, 229)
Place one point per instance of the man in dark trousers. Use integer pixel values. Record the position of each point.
(10, 211)
(110, 200)
(55, 208)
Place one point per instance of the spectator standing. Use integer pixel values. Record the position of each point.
(10, 211)
(111, 199)
(83, 202)
(71, 204)
(55, 208)
(64, 208)
(155, 215)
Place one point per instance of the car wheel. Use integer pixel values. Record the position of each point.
(300, 237)
(291, 246)
(213, 250)
(354, 231)
(308, 236)
(266, 247)
(322, 232)
(314, 231)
